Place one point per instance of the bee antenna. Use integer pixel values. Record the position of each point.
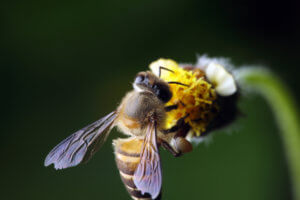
(160, 68)
(178, 83)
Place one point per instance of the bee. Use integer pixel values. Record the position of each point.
(141, 115)
(166, 110)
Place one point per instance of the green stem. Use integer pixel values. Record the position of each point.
(285, 111)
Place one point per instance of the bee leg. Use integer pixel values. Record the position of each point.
(172, 107)
(171, 130)
(182, 145)
(183, 129)
(169, 148)
(178, 146)
(180, 127)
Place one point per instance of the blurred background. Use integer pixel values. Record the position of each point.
(64, 64)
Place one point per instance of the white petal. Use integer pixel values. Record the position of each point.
(211, 72)
(221, 75)
(227, 87)
(155, 67)
(222, 80)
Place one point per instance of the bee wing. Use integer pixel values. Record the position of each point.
(81, 145)
(147, 176)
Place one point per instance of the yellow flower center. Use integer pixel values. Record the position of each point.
(196, 101)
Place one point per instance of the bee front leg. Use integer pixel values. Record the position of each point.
(172, 107)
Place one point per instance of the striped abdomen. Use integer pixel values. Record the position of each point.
(127, 152)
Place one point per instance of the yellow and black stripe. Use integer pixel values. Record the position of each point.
(127, 152)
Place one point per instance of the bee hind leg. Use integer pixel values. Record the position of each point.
(169, 148)
(178, 146)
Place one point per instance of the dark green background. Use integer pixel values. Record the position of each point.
(66, 64)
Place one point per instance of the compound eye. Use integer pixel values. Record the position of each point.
(139, 79)
(162, 93)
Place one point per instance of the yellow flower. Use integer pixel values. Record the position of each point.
(195, 98)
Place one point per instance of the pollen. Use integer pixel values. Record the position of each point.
(195, 97)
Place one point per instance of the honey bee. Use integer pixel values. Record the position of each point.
(162, 110)
(141, 115)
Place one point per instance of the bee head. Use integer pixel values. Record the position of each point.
(147, 81)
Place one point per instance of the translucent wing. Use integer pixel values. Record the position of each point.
(81, 145)
(147, 176)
